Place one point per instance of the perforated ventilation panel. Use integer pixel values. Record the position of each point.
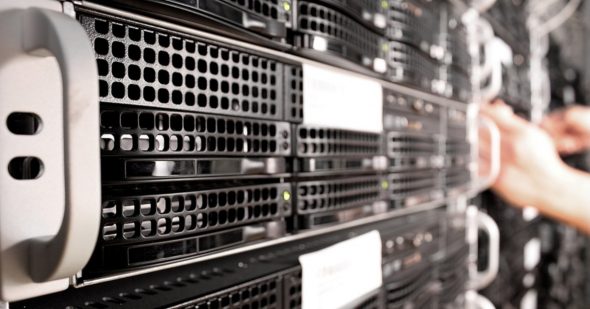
(143, 65)
(325, 142)
(414, 22)
(364, 11)
(292, 290)
(273, 9)
(407, 144)
(458, 47)
(346, 37)
(454, 274)
(459, 84)
(407, 150)
(325, 195)
(134, 131)
(411, 290)
(261, 293)
(408, 184)
(456, 177)
(410, 66)
(141, 218)
(457, 147)
(293, 93)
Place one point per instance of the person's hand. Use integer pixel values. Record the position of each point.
(529, 159)
(569, 128)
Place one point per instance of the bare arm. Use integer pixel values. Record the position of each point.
(533, 174)
(566, 198)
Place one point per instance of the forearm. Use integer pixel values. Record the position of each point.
(567, 198)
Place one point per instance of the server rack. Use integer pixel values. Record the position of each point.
(212, 179)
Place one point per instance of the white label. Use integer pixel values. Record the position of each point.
(339, 100)
(341, 274)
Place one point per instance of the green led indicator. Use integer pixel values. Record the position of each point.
(384, 4)
(286, 196)
(384, 184)
(286, 6)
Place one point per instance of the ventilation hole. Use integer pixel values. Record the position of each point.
(163, 58)
(177, 61)
(134, 72)
(25, 168)
(213, 85)
(118, 30)
(213, 102)
(134, 92)
(101, 26)
(134, 34)
(163, 77)
(118, 90)
(149, 94)
(23, 123)
(129, 120)
(176, 122)
(149, 75)
(118, 70)
(163, 96)
(189, 99)
(118, 49)
(162, 122)
(103, 67)
(149, 55)
(177, 79)
(202, 82)
(134, 52)
(189, 63)
(164, 40)
(101, 46)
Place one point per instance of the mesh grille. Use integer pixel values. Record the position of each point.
(292, 290)
(325, 195)
(457, 147)
(263, 293)
(458, 153)
(411, 183)
(458, 47)
(454, 274)
(410, 66)
(413, 22)
(412, 150)
(159, 216)
(357, 42)
(146, 66)
(294, 94)
(362, 10)
(412, 145)
(130, 131)
(457, 177)
(273, 9)
(408, 290)
(459, 84)
(317, 142)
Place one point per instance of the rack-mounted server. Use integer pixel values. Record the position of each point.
(206, 152)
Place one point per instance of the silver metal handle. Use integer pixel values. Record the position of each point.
(495, 154)
(64, 254)
(486, 224)
(492, 90)
(478, 301)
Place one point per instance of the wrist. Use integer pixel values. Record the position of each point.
(563, 195)
(553, 184)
